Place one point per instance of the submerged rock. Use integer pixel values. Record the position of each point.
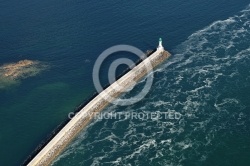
(12, 73)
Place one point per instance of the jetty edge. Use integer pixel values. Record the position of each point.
(72, 128)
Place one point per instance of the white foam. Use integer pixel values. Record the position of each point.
(193, 83)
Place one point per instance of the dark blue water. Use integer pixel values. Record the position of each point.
(206, 80)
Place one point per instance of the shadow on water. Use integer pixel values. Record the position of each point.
(78, 109)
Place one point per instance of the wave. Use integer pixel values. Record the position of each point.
(200, 82)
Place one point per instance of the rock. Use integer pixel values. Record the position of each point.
(14, 72)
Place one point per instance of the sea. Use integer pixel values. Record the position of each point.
(206, 80)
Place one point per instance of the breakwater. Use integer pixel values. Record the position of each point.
(86, 112)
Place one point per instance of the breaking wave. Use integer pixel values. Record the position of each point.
(204, 81)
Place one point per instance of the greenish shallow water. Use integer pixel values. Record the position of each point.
(70, 35)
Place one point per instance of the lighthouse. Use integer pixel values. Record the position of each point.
(160, 47)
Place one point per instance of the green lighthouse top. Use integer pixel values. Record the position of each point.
(160, 45)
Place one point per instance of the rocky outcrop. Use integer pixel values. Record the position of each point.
(12, 73)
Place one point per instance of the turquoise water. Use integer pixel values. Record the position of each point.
(206, 80)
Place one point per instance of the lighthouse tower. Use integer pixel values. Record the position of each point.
(160, 47)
